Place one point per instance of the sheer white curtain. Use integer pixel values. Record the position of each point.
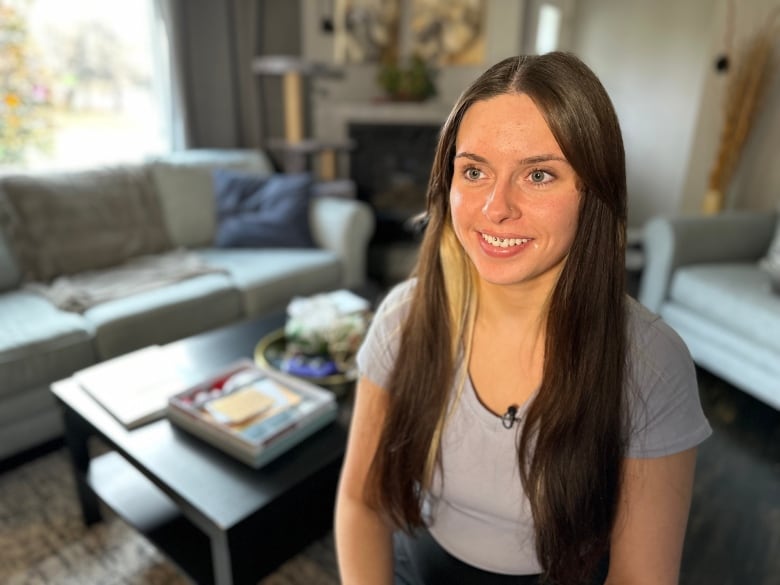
(170, 71)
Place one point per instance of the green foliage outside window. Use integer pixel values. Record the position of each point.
(25, 116)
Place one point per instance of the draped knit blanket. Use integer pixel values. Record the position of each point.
(79, 292)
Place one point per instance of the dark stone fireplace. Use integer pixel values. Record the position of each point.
(390, 166)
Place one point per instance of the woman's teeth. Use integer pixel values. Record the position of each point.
(504, 242)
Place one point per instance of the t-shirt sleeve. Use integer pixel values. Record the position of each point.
(377, 353)
(665, 411)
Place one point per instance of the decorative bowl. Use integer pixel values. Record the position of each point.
(272, 349)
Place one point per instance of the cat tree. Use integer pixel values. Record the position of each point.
(297, 151)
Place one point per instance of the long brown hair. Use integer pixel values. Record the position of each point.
(573, 439)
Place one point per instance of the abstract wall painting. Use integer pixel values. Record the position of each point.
(448, 32)
(440, 32)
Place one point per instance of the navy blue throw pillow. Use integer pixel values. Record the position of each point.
(262, 211)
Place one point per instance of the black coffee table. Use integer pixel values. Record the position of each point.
(220, 521)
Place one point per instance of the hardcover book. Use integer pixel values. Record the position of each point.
(135, 387)
(253, 413)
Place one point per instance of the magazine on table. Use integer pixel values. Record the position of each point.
(253, 413)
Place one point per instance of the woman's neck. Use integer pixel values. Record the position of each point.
(523, 305)
(508, 345)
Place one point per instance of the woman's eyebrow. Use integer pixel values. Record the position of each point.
(530, 160)
(472, 156)
(541, 158)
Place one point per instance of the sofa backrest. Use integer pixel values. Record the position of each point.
(9, 268)
(184, 185)
(68, 222)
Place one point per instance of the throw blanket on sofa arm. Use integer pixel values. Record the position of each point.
(79, 292)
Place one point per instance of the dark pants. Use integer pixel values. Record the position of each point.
(419, 560)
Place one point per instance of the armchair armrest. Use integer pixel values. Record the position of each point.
(344, 226)
(670, 242)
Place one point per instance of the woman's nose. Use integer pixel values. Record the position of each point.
(500, 204)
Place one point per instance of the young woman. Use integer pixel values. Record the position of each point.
(519, 419)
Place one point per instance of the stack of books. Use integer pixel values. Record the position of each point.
(253, 413)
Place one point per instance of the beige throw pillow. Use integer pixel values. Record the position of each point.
(65, 223)
(187, 202)
(185, 186)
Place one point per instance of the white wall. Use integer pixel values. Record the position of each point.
(652, 57)
(657, 61)
(757, 180)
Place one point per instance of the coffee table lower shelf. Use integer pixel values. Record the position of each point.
(135, 499)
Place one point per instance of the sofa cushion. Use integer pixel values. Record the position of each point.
(262, 211)
(746, 363)
(735, 296)
(64, 223)
(39, 342)
(186, 191)
(164, 314)
(269, 278)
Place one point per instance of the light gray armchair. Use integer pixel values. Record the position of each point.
(702, 274)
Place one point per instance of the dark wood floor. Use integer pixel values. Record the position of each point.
(734, 528)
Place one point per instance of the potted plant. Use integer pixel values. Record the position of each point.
(413, 81)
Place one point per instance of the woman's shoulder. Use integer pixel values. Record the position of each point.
(666, 414)
(395, 303)
(377, 353)
(651, 340)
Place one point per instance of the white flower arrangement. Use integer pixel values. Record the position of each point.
(329, 324)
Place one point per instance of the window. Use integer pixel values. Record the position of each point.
(79, 83)
(548, 28)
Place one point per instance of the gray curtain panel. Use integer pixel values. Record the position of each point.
(214, 98)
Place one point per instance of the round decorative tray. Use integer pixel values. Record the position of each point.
(270, 351)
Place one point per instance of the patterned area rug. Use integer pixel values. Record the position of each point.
(43, 541)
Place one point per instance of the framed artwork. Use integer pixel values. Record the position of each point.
(440, 32)
(366, 31)
(448, 32)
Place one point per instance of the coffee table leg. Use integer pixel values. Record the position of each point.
(76, 439)
(220, 555)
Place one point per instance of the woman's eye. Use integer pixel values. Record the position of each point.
(473, 174)
(540, 177)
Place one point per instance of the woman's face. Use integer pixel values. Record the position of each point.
(514, 197)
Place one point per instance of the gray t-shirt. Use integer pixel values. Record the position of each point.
(479, 513)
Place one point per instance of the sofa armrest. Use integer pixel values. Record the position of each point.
(344, 226)
(671, 242)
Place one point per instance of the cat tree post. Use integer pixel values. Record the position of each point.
(293, 107)
(296, 149)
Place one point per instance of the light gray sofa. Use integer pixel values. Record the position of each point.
(148, 209)
(704, 276)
